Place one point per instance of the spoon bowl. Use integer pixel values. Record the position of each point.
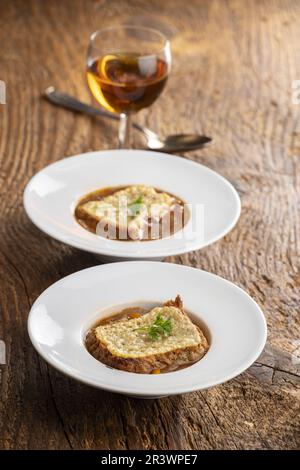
(179, 142)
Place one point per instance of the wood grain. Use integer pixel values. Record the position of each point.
(234, 63)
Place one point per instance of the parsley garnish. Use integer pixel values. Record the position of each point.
(135, 206)
(160, 328)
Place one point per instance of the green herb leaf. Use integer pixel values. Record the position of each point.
(138, 200)
(160, 328)
(134, 207)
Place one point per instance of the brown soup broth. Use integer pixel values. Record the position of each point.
(90, 224)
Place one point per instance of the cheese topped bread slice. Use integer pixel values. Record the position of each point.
(130, 209)
(164, 338)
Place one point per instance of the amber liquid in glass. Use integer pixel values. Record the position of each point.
(126, 83)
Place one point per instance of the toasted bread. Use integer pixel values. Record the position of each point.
(126, 345)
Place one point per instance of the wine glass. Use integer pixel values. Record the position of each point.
(127, 69)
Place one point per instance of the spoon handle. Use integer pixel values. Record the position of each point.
(69, 102)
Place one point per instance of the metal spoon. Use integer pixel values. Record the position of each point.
(171, 143)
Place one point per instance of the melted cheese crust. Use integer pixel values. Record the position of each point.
(116, 209)
(124, 338)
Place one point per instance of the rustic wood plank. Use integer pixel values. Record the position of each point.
(234, 63)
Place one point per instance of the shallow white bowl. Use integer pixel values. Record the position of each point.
(61, 316)
(51, 195)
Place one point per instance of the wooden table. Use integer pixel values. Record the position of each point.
(234, 63)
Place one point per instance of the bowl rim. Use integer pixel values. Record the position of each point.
(129, 388)
(85, 245)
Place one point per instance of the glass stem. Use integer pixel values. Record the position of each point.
(124, 130)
